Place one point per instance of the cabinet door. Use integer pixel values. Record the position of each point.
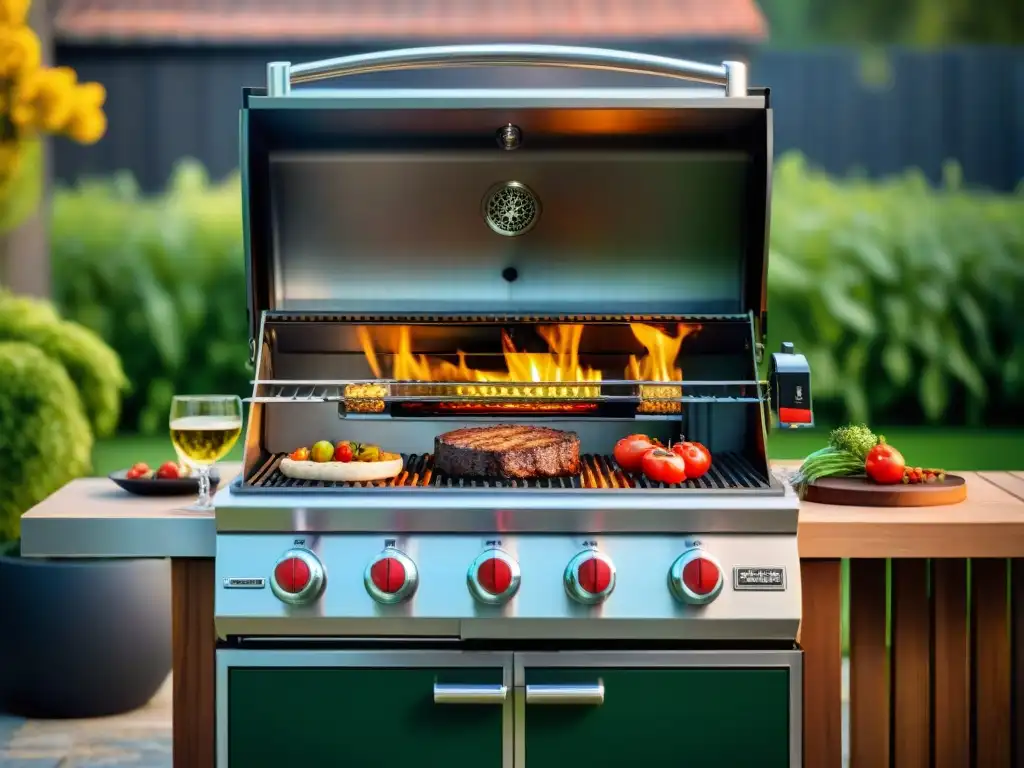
(663, 716)
(372, 715)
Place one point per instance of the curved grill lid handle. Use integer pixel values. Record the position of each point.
(730, 75)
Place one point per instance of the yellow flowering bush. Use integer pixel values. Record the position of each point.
(36, 100)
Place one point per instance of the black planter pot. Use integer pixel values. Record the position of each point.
(82, 638)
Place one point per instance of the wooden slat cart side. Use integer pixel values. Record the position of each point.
(937, 676)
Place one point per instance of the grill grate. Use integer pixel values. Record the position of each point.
(730, 471)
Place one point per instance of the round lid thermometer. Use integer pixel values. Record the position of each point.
(298, 577)
(494, 577)
(590, 577)
(391, 577)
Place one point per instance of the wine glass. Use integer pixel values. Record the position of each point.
(204, 429)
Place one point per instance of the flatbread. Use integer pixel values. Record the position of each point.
(341, 471)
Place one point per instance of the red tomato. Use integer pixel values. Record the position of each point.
(630, 450)
(139, 471)
(168, 471)
(696, 457)
(884, 464)
(661, 466)
(343, 452)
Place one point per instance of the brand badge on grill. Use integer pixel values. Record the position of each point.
(759, 579)
(245, 583)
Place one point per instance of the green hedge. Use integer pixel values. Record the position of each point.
(902, 295)
(907, 300)
(60, 385)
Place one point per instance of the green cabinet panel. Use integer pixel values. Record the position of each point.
(703, 716)
(358, 718)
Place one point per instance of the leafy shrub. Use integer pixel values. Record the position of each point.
(45, 440)
(93, 366)
(161, 280)
(905, 298)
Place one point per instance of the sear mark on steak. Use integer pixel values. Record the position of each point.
(507, 450)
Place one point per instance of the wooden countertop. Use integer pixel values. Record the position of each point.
(91, 517)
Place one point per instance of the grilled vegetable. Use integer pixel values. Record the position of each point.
(855, 438)
(322, 452)
(917, 475)
(661, 466)
(696, 457)
(367, 453)
(828, 462)
(630, 450)
(884, 464)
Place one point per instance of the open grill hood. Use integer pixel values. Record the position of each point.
(646, 201)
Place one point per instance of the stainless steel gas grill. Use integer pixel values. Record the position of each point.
(539, 262)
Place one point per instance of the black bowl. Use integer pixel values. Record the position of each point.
(155, 486)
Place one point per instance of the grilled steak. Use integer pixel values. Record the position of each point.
(507, 450)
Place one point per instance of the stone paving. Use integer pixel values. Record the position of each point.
(140, 739)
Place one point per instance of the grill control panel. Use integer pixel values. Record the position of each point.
(533, 586)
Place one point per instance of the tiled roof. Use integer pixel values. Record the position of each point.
(321, 21)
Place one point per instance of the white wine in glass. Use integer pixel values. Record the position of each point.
(204, 429)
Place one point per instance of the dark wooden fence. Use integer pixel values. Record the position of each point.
(845, 110)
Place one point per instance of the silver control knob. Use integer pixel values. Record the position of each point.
(298, 577)
(590, 577)
(391, 577)
(696, 577)
(493, 577)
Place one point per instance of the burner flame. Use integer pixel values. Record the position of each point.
(561, 363)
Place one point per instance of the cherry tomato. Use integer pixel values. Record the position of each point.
(885, 465)
(134, 473)
(630, 450)
(661, 466)
(696, 457)
(141, 466)
(168, 471)
(343, 452)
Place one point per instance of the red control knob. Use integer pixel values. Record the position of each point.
(292, 575)
(594, 576)
(388, 575)
(695, 578)
(701, 576)
(494, 575)
(391, 577)
(590, 577)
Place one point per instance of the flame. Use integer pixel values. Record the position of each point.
(559, 364)
(659, 364)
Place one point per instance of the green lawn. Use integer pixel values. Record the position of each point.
(955, 449)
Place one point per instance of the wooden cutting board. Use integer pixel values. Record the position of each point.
(861, 492)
